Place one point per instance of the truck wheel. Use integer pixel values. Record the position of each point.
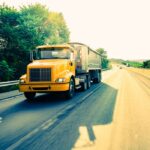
(88, 81)
(98, 78)
(84, 85)
(71, 91)
(29, 95)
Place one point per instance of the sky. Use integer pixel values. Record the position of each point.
(121, 27)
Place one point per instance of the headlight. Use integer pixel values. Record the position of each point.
(60, 80)
(21, 81)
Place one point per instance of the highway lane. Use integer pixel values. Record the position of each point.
(132, 123)
(18, 117)
(96, 110)
(113, 115)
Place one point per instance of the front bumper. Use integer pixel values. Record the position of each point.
(44, 87)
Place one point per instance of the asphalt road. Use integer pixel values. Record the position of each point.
(113, 115)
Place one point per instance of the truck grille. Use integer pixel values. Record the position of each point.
(40, 74)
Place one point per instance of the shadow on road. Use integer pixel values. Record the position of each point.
(41, 102)
(79, 128)
(77, 124)
(100, 114)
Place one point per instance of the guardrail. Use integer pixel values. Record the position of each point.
(8, 83)
(15, 82)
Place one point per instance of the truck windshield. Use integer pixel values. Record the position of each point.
(53, 53)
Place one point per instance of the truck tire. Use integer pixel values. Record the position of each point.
(88, 81)
(29, 95)
(70, 93)
(98, 78)
(84, 85)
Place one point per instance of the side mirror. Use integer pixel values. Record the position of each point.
(71, 59)
(31, 56)
(72, 56)
(71, 63)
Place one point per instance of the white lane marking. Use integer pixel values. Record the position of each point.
(30, 134)
(10, 98)
(44, 126)
(85, 97)
(47, 123)
(1, 119)
(16, 96)
(50, 123)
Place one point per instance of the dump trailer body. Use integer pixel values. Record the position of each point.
(86, 59)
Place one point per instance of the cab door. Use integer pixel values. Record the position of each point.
(72, 63)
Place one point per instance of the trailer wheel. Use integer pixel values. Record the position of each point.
(29, 95)
(98, 78)
(88, 81)
(84, 85)
(70, 93)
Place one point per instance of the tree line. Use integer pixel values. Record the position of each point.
(105, 62)
(21, 31)
(146, 64)
(137, 64)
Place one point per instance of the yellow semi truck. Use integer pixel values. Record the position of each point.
(60, 68)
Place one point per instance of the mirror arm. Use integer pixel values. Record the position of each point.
(31, 56)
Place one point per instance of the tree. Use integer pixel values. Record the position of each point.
(8, 41)
(104, 60)
(146, 64)
(6, 73)
(21, 31)
(33, 19)
(57, 28)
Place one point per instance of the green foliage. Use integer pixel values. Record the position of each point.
(21, 31)
(9, 41)
(6, 72)
(32, 29)
(104, 59)
(146, 64)
(133, 64)
(59, 31)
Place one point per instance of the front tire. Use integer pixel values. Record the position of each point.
(70, 93)
(29, 95)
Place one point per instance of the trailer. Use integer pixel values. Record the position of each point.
(88, 63)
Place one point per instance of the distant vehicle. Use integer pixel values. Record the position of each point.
(61, 68)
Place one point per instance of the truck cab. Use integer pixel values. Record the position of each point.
(52, 69)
